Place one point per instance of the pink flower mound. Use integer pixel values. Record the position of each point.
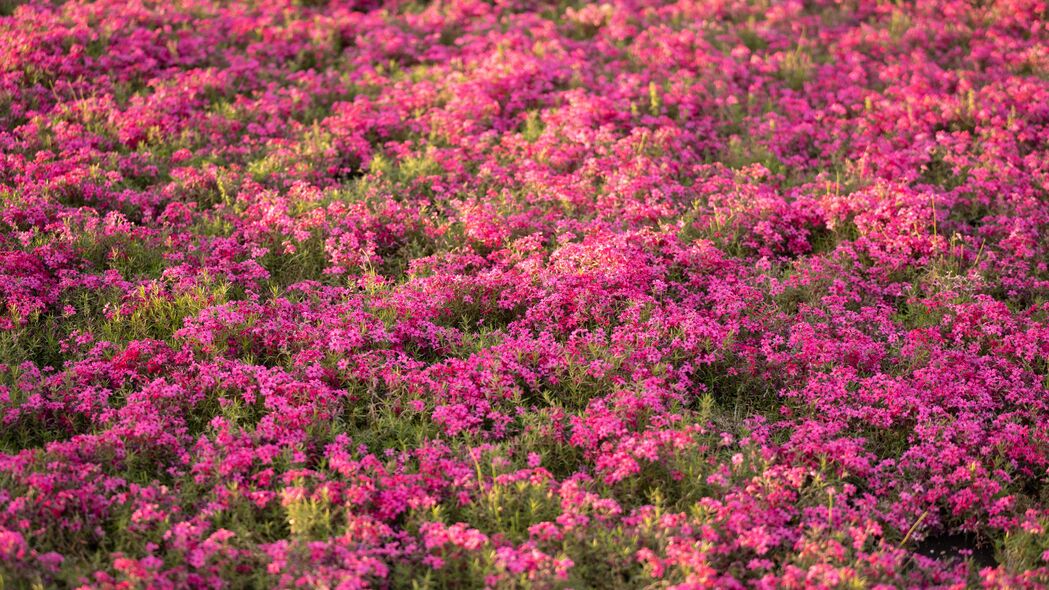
(469, 294)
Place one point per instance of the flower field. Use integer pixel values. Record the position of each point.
(520, 294)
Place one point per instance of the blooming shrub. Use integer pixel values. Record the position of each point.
(464, 294)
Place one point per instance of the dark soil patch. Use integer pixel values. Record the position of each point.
(958, 546)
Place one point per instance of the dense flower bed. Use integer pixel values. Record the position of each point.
(518, 294)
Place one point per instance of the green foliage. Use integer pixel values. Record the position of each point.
(795, 69)
(157, 317)
(533, 127)
(510, 509)
(306, 263)
(373, 418)
(310, 517)
(1021, 550)
(940, 173)
(745, 151)
(7, 7)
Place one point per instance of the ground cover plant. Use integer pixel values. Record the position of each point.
(522, 294)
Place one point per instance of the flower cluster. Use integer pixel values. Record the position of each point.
(469, 294)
